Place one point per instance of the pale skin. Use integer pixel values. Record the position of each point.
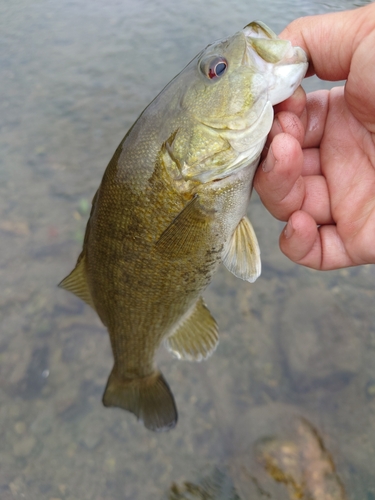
(319, 168)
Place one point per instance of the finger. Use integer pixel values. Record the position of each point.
(289, 123)
(305, 243)
(310, 127)
(278, 180)
(294, 104)
(361, 78)
(316, 201)
(317, 105)
(285, 188)
(293, 183)
(311, 162)
(330, 40)
(299, 239)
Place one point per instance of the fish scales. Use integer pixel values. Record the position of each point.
(172, 206)
(159, 278)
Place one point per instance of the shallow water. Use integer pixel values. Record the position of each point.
(74, 76)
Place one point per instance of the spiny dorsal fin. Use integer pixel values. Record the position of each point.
(76, 282)
(242, 254)
(185, 231)
(196, 336)
(149, 398)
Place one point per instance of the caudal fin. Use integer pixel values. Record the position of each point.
(149, 398)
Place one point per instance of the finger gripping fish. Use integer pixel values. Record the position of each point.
(172, 206)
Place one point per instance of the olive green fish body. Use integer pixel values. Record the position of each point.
(146, 283)
(172, 206)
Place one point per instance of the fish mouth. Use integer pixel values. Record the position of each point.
(269, 47)
(282, 65)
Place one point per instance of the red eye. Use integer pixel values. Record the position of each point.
(215, 68)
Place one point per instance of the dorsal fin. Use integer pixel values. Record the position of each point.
(76, 282)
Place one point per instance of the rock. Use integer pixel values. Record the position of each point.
(277, 453)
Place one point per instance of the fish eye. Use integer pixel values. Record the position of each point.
(214, 68)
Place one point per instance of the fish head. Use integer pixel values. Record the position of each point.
(228, 92)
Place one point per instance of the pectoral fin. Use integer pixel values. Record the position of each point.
(76, 282)
(185, 231)
(242, 254)
(196, 337)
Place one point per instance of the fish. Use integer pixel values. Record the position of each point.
(171, 207)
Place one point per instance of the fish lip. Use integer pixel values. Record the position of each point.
(293, 55)
(257, 30)
(287, 63)
(298, 56)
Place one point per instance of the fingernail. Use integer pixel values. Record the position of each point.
(269, 162)
(289, 229)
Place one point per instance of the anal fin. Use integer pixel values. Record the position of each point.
(76, 282)
(196, 336)
(242, 254)
(149, 399)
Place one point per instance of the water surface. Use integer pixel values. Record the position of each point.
(74, 76)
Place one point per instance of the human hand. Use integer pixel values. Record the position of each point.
(319, 173)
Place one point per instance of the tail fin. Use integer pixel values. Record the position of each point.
(149, 398)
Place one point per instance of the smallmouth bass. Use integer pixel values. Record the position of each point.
(172, 206)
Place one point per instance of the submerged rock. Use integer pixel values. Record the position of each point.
(302, 464)
(276, 454)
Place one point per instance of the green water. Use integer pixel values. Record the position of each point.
(74, 76)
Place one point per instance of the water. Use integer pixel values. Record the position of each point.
(74, 76)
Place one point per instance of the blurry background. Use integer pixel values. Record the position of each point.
(74, 76)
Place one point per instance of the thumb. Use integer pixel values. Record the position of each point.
(359, 93)
(330, 40)
(341, 46)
